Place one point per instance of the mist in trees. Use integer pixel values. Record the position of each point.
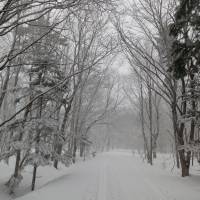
(159, 39)
(63, 92)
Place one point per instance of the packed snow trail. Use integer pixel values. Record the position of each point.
(117, 175)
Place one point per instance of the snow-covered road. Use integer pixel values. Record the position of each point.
(117, 175)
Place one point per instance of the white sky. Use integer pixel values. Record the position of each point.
(121, 65)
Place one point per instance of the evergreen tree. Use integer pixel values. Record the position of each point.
(186, 28)
(185, 67)
(32, 136)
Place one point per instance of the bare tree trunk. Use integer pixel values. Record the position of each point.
(157, 131)
(192, 158)
(176, 146)
(184, 157)
(17, 162)
(39, 115)
(34, 177)
(58, 145)
(142, 120)
(185, 163)
(82, 149)
(5, 85)
(175, 124)
(74, 150)
(151, 124)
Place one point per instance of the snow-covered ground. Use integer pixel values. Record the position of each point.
(116, 175)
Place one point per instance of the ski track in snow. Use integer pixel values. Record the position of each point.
(137, 186)
(116, 191)
(115, 176)
(110, 186)
(102, 185)
(97, 189)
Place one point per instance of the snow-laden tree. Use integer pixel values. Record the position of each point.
(95, 102)
(185, 68)
(143, 32)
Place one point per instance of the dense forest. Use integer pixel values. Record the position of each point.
(78, 77)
